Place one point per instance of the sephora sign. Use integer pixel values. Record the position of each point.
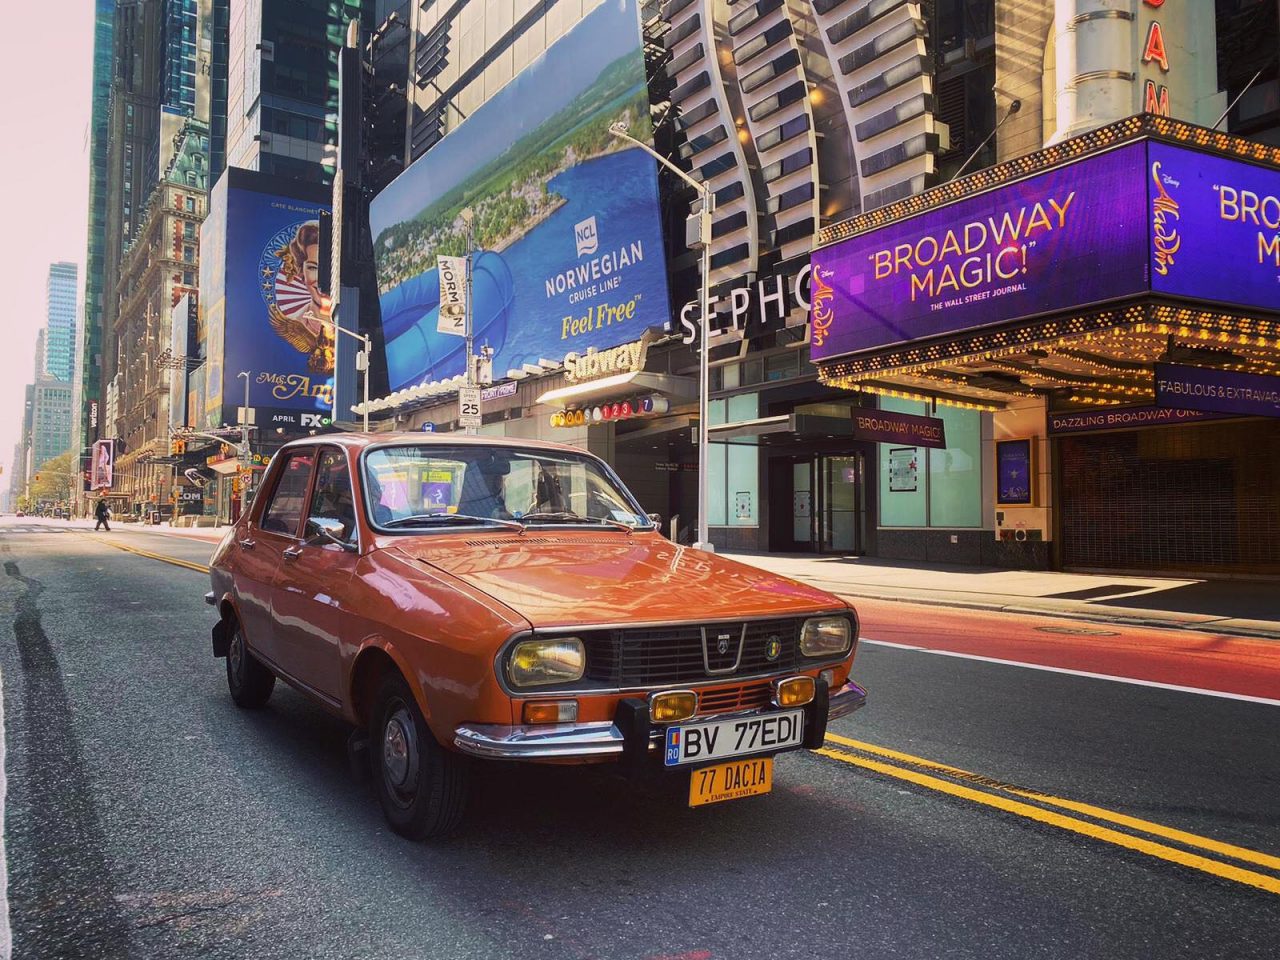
(753, 307)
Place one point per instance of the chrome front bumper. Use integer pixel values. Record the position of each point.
(590, 741)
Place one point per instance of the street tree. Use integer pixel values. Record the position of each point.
(52, 479)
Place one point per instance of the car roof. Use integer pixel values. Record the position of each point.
(359, 440)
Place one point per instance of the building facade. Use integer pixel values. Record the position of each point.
(89, 380)
(820, 123)
(159, 268)
(50, 420)
(282, 89)
(61, 299)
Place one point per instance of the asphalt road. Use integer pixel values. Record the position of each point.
(148, 817)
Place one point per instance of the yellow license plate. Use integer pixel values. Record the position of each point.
(731, 781)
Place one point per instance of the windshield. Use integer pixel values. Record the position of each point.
(437, 485)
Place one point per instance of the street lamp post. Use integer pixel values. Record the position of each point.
(469, 218)
(708, 204)
(244, 446)
(362, 362)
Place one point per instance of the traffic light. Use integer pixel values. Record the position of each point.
(177, 447)
(35, 477)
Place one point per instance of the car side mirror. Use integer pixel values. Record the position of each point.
(328, 530)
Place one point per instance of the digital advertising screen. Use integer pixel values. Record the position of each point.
(262, 311)
(1065, 238)
(568, 250)
(1215, 228)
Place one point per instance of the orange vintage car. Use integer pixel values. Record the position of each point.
(461, 597)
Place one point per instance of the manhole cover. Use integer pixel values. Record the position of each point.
(1080, 631)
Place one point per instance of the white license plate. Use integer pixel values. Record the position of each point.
(706, 742)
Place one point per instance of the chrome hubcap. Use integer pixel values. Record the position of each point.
(399, 750)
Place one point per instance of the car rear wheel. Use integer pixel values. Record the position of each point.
(248, 680)
(422, 787)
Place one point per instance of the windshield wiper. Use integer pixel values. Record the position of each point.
(567, 516)
(427, 519)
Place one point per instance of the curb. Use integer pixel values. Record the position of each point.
(1198, 626)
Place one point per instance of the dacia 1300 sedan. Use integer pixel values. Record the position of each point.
(458, 598)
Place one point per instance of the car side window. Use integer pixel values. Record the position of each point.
(284, 511)
(332, 498)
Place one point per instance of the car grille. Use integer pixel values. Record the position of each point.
(747, 696)
(654, 656)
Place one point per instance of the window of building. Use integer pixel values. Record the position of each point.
(933, 488)
(733, 469)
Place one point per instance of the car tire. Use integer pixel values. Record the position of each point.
(422, 786)
(248, 680)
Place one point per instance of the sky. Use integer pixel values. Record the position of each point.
(44, 180)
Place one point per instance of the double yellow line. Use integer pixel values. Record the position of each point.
(1001, 796)
(186, 564)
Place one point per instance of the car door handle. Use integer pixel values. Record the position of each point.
(292, 553)
(247, 544)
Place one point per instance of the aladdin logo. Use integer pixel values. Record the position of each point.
(823, 313)
(586, 237)
(1164, 238)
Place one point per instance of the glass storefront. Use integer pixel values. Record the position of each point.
(933, 488)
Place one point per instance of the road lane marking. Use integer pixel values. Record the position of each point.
(198, 567)
(1098, 813)
(1201, 691)
(1160, 851)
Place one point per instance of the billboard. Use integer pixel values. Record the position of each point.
(1071, 236)
(1215, 228)
(568, 240)
(1144, 218)
(102, 468)
(261, 310)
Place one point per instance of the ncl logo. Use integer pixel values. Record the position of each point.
(585, 236)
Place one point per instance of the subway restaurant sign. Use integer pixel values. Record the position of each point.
(1146, 217)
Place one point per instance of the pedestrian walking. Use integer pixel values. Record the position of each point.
(103, 514)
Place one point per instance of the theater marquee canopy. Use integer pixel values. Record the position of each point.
(1069, 272)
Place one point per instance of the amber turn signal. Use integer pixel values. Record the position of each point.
(550, 711)
(794, 691)
(672, 706)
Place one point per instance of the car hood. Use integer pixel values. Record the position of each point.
(573, 578)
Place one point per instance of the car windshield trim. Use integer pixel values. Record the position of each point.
(436, 517)
(435, 448)
(570, 519)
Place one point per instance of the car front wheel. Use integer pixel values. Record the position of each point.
(248, 680)
(422, 786)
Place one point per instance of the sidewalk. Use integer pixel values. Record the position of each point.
(1237, 607)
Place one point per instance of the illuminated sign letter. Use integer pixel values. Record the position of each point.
(1155, 47)
(1156, 99)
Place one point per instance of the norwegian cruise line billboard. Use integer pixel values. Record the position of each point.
(568, 247)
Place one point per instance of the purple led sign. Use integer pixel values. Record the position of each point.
(1215, 228)
(1218, 391)
(1066, 238)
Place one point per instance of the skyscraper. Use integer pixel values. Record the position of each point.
(90, 361)
(281, 107)
(60, 306)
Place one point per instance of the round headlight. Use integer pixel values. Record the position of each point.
(825, 636)
(536, 663)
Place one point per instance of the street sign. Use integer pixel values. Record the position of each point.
(469, 407)
(453, 295)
